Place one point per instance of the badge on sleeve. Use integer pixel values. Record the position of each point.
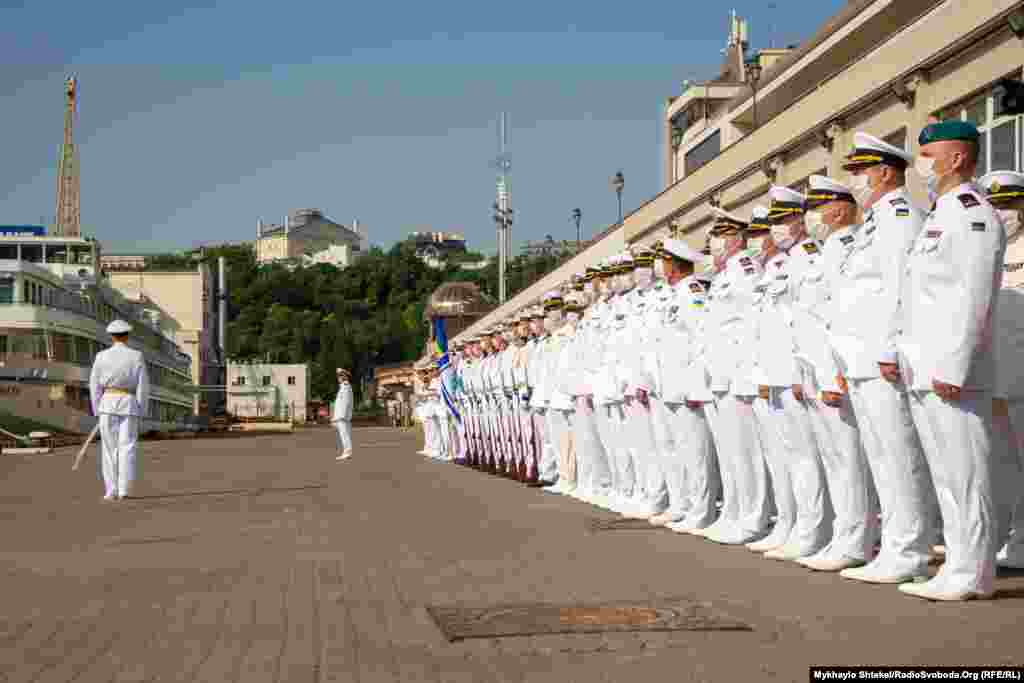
(968, 200)
(902, 213)
(697, 303)
(810, 247)
(978, 226)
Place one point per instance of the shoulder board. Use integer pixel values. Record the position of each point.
(868, 215)
(902, 212)
(782, 276)
(898, 201)
(780, 263)
(696, 288)
(931, 234)
(869, 230)
(968, 200)
(761, 288)
(846, 239)
(810, 247)
(978, 226)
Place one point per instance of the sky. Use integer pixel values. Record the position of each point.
(198, 119)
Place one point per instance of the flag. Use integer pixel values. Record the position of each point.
(444, 367)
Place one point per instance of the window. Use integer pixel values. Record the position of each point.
(3, 348)
(291, 380)
(266, 380)
(7, 291)
(240, 381)
(1000, 142)
(703, 152)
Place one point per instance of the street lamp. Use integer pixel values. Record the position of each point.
(619, 182)
(577, 215)
(753, 74)
(677, 141)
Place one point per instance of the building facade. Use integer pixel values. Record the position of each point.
(307, 234)
(888, 67)
(181, 304)
(268, 390)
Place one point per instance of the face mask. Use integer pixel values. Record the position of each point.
(925, 167)
(659, 269)
(717, 246)
(643, 277)
(816, 226)
(780, 235)
(756, 244)
(861, 186)
(1011, 220)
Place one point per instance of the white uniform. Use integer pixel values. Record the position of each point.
(855, 528)
(342, 417)
(1010, 461)
(867, 303)
(119, 390)
(593, 471)
(953, 274)
(728, 346)
(561, 408)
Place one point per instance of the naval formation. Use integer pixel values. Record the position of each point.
(832, 383)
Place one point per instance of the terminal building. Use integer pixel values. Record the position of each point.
(887, 67)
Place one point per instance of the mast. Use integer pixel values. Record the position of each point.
(69, 208)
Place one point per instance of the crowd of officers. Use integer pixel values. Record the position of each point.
(818, 386)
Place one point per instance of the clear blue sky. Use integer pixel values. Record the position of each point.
(196, 122)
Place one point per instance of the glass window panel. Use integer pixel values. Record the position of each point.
(8, 252)
(7, 292)
(977, 113)
(32, 253)
(1004, 147)
(703, 153)
(983, 153)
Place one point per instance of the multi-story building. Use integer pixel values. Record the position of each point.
(109, 262)
(888, 67)
(268, 390)
(308, 235)
(181, 304)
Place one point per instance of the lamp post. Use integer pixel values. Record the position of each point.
(619, 182)
(503, 219)
(677, 141)
(753, 74)
(577, 215)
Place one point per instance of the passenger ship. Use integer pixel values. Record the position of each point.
(55, 305)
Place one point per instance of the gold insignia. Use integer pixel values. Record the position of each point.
(995, 187)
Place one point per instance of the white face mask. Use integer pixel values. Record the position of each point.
(643, 277)
(717, 245)
(659, 269)
(780, 235)
(756, 243)
(861, 186)
(816, 226)
(925, 167)
(1011, 220)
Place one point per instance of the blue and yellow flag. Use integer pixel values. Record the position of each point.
(444, 366)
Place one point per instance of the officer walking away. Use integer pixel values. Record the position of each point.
(342, 416)
(119, 388)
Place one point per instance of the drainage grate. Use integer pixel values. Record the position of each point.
(620, 524)
(505, 621)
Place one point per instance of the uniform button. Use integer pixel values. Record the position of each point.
(828, 326)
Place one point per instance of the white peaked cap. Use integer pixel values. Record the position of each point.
(681, 249)
(1001, 179)
(820, 182)
(759, 212)
(780, 193)
(119, 327)
(864, 141)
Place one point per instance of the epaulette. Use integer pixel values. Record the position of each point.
(978, 226)
(898, 201)
(810, 247)
(846, 239)
(902, 213)
(968, 200)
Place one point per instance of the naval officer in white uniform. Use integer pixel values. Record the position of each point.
(119, 390)
(342, 417)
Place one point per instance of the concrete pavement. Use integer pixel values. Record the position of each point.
(266, 560)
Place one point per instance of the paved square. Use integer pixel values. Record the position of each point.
(264, 559)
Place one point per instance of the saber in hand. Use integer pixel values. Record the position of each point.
(81, 453)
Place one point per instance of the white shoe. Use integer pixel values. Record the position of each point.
(344, 456)
(765, 544)
(872, 573)
(933, 590)
(665, 518)
(1010, 559)
(830, 564)
(110, 497)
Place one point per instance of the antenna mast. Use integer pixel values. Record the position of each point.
(503, 208)
(69, 204)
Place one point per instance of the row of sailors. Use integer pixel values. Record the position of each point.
(832, 384)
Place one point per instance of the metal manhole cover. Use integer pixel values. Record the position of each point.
(620, 524)
(505, 621)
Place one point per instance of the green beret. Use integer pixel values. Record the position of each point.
(952, 129)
